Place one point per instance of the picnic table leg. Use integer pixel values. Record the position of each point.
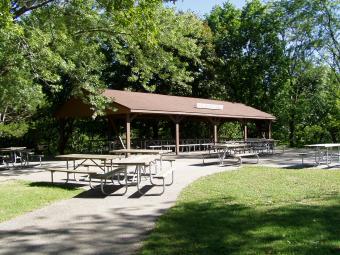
(126, 183)
(125, 180)
(139, 178)
(302, 158)
(328, 160)
(90, 182)
(52, 176)
(317, 156)
(102, 186)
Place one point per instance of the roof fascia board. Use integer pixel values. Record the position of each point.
(202, 114)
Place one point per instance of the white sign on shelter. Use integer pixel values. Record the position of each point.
(209, 106)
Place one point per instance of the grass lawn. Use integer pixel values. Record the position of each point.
(254, 210)
(19, 197)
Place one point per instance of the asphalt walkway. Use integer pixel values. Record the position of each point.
(91, 223)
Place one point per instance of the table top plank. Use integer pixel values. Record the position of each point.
(229, 146)
(139, 151)
(9, 149)
(323, 145)
(134, 160)
(86, 156)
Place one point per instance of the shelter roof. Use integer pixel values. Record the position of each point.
(148, 103)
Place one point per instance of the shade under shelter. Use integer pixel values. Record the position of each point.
(130, 105)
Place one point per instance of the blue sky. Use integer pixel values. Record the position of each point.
(202, 7)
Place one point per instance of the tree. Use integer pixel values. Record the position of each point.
(68, 44)
(250, 52)
(307, 44)
(156, 59)
(19, 94)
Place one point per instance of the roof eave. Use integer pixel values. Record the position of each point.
(202, 114)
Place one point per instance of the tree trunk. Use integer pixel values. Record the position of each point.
(292, 138)
(65, 131)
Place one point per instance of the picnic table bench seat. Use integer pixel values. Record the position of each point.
(239, 156)
(67, 171)
(163, 174)
(103, 177)
(303, 156)
(210, 154)
(33, 155)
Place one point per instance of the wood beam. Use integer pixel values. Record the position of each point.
(245, 132)
(215, 134)
(177, 138)
(128, 132)
(214, 120)
(176, 119)
(270, 130)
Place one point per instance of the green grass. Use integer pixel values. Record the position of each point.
(254, 210)
(19, 197)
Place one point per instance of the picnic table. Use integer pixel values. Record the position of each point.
(324, 152)
(16, 154)
(262, 145)
(238, 151)
(106, 160)
(110, 166)
(126, 152)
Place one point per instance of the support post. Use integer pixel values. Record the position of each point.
(215, 122)
(177, 138)
(128, 132)
(215, 133)
(176, 119)
(245, 132)
(270, 130)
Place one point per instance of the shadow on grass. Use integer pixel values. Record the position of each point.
(224, 227)
(300, 166)
(66, 186)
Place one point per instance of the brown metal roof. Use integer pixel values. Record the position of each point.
(148, 103)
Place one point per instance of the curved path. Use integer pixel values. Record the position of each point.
(91, 223)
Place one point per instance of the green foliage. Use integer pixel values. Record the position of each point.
(280, 56)
(155, 54)
(230, 131)
(19, 94)
(254, 210)
(250, 52)
(13, 129)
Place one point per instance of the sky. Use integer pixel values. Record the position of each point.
(202, 7)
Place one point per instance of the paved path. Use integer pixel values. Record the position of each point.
(91, 223)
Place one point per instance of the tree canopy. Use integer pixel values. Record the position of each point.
(280, 56)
